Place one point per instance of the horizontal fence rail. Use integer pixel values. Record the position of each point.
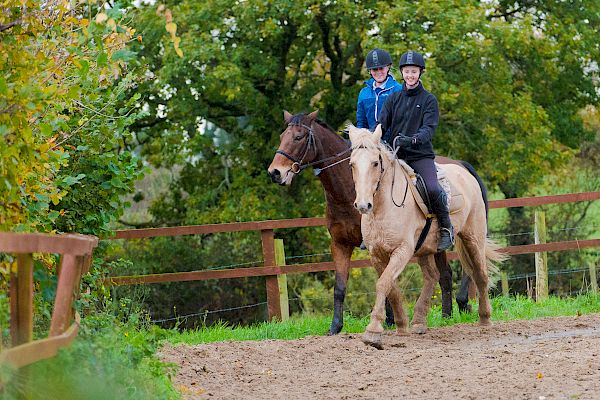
(271, 270)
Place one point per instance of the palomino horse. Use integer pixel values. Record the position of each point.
(308, 142)
(392, 222)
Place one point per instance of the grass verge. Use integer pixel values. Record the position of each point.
(504, 308)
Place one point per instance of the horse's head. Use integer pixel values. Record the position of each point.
(297, 147)
(367, 165)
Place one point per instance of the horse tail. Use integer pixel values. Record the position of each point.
(493, 256)
(484, 195)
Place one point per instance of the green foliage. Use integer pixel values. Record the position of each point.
(63, 116)
(218, 109)
(110, 359)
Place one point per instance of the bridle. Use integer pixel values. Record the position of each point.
(381, 172)
(298, 164)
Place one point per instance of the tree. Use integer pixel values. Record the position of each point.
(64, 116)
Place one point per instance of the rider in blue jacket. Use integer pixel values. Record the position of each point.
(376, 90)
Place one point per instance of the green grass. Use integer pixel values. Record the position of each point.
(504, 308)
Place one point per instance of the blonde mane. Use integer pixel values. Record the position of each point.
(363, 138)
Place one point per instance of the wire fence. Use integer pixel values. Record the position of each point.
(528, 275)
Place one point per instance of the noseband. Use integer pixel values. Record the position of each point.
(298, 165)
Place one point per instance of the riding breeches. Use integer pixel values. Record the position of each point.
(426, 168)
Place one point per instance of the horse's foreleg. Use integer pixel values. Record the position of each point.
(341, 258)
(395, 266)
(441, 261)
(431, 276)
(395, 299)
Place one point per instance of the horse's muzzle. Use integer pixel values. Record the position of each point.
(363, 208)
(276, 177)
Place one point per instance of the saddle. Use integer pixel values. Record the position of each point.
(456, 201)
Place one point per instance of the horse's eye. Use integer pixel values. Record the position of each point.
(375, 164)
(298, 137)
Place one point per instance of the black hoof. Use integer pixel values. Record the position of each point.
(334, 331)
(465, 308)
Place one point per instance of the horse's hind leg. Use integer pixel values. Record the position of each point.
(431, 277)
(395, 300)
(462, 297)
(473, 247)
(441, 261)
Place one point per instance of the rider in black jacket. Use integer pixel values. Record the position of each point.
(409, 119)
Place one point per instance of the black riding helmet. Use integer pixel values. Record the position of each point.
(378, 58)
(412, 58)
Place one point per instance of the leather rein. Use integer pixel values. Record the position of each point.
(299, 165)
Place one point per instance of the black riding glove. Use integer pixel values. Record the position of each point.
(404, 141)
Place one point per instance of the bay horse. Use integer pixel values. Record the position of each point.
(392, 222)
(309, 142)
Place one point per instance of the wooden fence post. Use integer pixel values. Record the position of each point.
(284, 304)
(593, 278)
(541, 258)
(22, 301)
(268, 247)
(504, 278)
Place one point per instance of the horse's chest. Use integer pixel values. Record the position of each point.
(378, 232)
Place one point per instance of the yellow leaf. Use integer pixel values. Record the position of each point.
(540, 375)
(101, 17)
(179, 52)
(139, 38)
(111, 22)
(84, 22)
(171, 27)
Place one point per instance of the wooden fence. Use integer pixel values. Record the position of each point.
(273, 270)
(76, 255)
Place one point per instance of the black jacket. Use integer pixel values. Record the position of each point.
(411, 112)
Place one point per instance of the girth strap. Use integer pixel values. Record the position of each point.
(424, 232)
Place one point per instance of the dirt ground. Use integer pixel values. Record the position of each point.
(550, 358)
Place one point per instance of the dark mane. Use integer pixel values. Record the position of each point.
(297, 119)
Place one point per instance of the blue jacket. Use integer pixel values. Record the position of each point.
(371, 100)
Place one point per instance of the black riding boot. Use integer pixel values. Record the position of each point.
(440, 205)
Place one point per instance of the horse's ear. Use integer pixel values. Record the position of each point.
(287, 116)
(313, 115)
(377, 134)
(352, 132)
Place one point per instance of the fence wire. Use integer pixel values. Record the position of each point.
(355, 294)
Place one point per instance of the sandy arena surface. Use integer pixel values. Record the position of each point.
(550, 358)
